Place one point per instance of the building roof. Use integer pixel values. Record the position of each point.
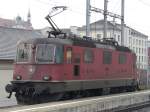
(136, 33)
(99, 25)
(18, 23)
(9, 38)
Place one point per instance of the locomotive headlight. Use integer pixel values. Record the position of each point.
(18, 77)
(46, 78)
(31, 69)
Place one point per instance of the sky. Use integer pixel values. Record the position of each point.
(137, 14)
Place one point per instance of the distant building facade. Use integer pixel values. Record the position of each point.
(18, 22)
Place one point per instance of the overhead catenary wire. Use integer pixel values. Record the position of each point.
(75, 11)
(43, 2)
(117, 6)
(68, 8)
(144, 3)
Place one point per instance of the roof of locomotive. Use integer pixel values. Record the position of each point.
(48, 41)
(79, 42)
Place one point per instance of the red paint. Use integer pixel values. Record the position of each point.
(91, 71)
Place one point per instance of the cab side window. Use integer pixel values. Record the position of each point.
(107, 57)
(69, 55)
(59, 54)
(88, 56)
(122, 58)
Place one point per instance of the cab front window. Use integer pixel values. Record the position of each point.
(45, 53)
(24, 53)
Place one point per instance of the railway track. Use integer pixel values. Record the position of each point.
(5, 108)
(10, 106)
(118, 102)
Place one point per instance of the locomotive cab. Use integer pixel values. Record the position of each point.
(38, 64)
(32, 59)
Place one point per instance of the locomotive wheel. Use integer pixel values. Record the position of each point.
(26, 100)
(36, 99)
(50, 97)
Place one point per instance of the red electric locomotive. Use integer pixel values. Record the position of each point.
(54, 68)
(62, 67)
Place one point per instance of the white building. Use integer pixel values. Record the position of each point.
(8, 43)
(133, 39)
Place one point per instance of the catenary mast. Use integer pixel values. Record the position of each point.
(87, 17)
(105, 18)
(122, 22)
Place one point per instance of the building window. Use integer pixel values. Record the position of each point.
(145, 50)
(139, 50)
(133, 41)
(122, 58)
(129, 32)
(118, 38)
(143, 43)
(136, 50)
(99, 35)
(139, 42)
(142, 50)
(88, 56)
(136, 42)
(107, 57)
(130, 42)
(142, 59)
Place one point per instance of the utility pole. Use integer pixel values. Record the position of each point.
(122, 22)
(88, 18)
(105, 18)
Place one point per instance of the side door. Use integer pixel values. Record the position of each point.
(72, 62)
(107, 63)
(77, 62)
